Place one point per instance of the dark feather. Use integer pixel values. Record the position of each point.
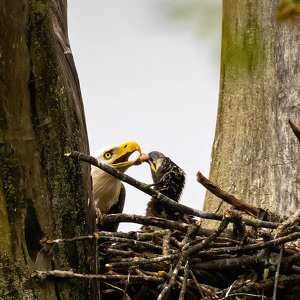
(169, 179)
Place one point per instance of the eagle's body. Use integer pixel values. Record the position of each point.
(168, 179)
(106, 189)
(109, 192)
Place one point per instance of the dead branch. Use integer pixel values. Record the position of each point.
(251, 247)
(71, 274)
(295, 129)
(277, 274)
(144, 220)
(292, 221)
(172, 281)
(228, 263)
(238, 204)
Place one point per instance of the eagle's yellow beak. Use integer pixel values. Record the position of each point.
(125, 150)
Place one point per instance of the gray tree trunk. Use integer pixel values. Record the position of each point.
(255, 155)
(42, 193)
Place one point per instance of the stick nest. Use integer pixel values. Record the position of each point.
(195, 263)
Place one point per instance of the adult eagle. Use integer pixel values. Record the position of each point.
(168, 179)
(109, 192)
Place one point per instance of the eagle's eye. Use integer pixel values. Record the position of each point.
(107, 155)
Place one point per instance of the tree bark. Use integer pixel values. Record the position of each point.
(42, 193)
(255, 154)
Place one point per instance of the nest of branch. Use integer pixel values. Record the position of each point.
(245, 258)
(182, 261)
(185, 261)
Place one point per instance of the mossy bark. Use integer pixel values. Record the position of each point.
(42, 193)
(255, 155)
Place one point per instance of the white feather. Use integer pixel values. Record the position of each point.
(106, 187)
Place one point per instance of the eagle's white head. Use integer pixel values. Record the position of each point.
(106, 187)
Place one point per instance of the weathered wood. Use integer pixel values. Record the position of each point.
(42, 193)
(255, 154)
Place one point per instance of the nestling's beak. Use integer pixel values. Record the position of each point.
(155, 160)
(152, 164)
(125, 150)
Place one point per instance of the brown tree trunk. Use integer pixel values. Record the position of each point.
(255, 155)
(42, 193)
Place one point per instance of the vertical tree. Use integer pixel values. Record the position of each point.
(255, 155)
(42, 193)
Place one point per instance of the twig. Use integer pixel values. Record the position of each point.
(184, 282)
(227, 263)
(296, 268)
(75, 239)
(116, 252)
(239, 228)
(145, 220)
(142, 261)
(229, 290)
(147, 245)
(199, 287)
(166, 244)
(283, 281)
(146, 188)
(208, 240)
(251, 247)
(71, 274)
(213, 188)
(243, 295)
(287, 223)
(277, 273)
(172, 281)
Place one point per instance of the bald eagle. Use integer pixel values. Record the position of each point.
(168, 179)
(109, 192)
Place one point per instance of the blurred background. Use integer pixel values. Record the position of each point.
(149, 72)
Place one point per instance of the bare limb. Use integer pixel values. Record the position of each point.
(71, 274)
(144, 220)
(293, 220)
(184, 282)
(172, 282)
(251, 247)
(295, 129)
(238, 204)
(277, 274)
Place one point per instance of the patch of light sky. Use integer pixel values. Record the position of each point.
(148, 78)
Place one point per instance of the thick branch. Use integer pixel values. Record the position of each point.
(71, 274)
(144, 220)
(238, 204)
(295, 129)
(251, 247)
(228, 263)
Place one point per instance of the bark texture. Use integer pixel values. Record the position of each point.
(255, 154)
(42, 193)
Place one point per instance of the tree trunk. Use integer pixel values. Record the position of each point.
(255, 155)
(42, 193)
